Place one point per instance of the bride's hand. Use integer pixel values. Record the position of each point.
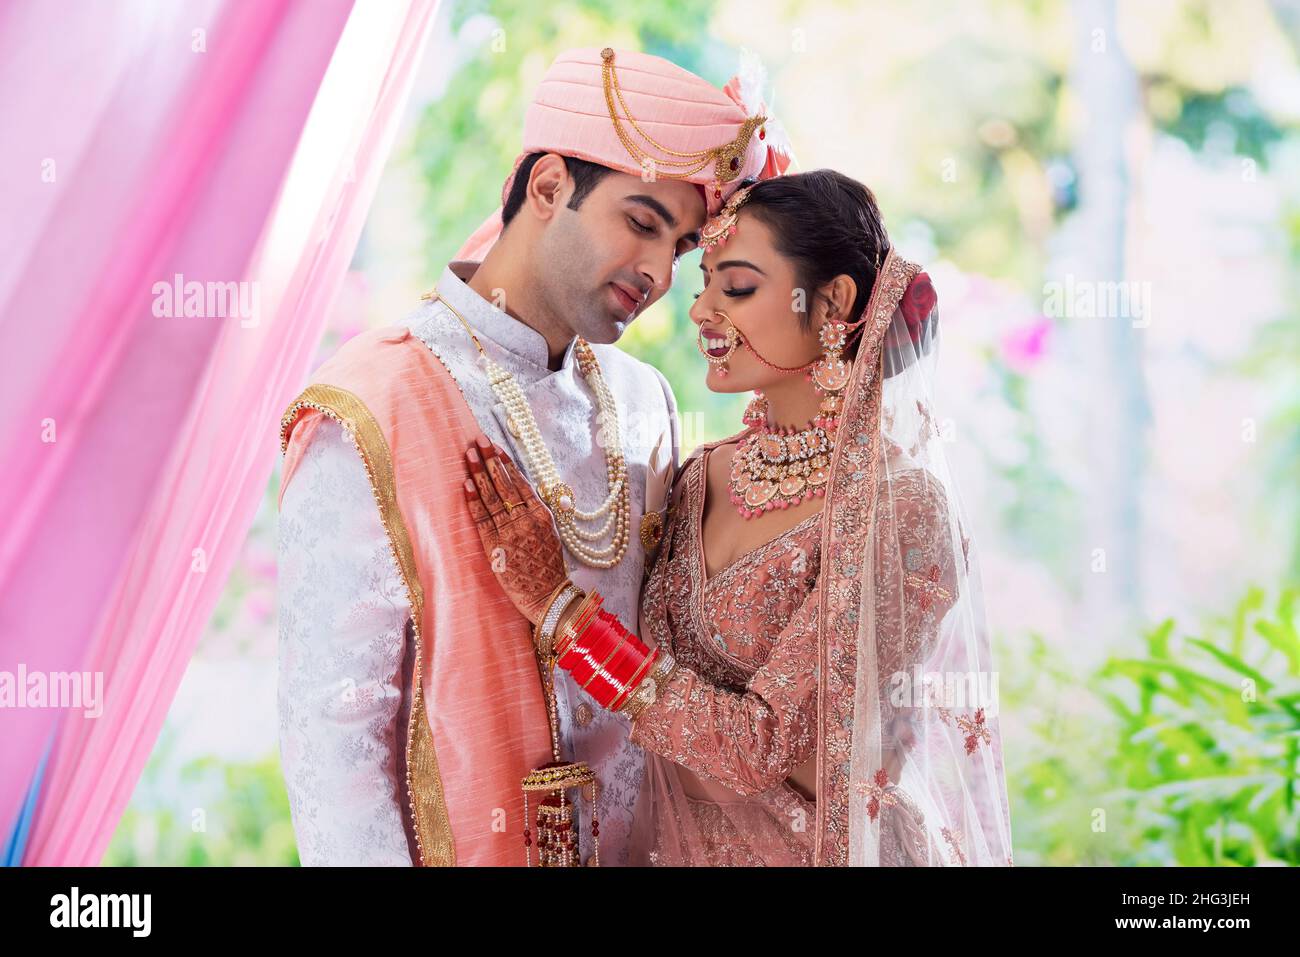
(516, 530)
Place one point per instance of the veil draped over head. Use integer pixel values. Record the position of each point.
(880, 677)
(909, 752)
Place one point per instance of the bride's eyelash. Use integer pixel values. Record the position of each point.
(733, 293)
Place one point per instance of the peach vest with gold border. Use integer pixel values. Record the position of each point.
(478, 719)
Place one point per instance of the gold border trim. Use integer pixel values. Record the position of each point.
(427, 806)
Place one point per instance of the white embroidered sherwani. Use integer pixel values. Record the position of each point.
(345, 638)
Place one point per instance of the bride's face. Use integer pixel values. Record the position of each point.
(746, 279)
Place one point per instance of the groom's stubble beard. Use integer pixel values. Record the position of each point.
(570, 282)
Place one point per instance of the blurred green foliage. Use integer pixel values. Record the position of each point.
(1194, 763)
(1210, 733)
(233, 814)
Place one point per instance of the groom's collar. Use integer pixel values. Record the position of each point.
(492, 323)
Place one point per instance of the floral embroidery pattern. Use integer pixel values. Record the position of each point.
(740, 709)
(928, 588)
(954, 842)
(975, 730)
(877, 795)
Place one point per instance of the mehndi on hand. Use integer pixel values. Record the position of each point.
(516, 529)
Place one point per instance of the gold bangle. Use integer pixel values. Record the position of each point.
(647, 692)
(652, 686)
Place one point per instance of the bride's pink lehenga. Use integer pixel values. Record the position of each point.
(727, 627)
(834, 700)
(716, 795)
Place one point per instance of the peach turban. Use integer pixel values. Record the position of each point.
(669, 119)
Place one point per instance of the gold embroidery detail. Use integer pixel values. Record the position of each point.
(426, 802)
(583, 715)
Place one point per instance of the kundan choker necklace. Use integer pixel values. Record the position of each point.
(777, 468)
(616, 509)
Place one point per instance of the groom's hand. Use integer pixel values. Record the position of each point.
(516, 529)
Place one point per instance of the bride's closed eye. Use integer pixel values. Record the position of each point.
(732, 293)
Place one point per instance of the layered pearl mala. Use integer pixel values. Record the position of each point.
(616, 509)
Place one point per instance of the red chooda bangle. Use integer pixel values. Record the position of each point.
(604, 657)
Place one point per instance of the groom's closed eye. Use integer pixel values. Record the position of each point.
(652, 217)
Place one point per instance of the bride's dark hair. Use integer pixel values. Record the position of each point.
(828, 225)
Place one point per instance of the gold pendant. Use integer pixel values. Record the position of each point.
(652, 530)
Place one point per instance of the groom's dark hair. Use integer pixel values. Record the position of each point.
(585, 177)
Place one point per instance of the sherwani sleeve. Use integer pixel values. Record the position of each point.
(343, 615)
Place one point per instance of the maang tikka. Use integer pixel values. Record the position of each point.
(715, 233)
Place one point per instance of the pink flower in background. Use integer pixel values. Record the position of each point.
(1023, 347)
(261, 569)
(259, 562)
(260, 605)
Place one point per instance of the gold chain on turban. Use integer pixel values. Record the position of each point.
(726, 159)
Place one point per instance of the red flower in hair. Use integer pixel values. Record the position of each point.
(917, 304)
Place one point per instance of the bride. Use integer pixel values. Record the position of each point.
(810, 676)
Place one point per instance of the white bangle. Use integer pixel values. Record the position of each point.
(551, 620)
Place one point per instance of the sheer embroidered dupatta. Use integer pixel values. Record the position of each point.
(909, 757)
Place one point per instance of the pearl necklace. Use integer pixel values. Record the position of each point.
(616, 509)
(781, 467)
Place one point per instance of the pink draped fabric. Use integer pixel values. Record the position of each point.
(217, 140)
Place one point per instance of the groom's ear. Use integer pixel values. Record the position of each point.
(548, 185)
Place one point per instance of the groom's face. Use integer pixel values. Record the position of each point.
(607, 261)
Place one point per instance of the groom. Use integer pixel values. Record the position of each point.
(410, 705)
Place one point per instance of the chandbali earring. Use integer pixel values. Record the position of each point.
(832, 373)
(721, 350)
(829, 375)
